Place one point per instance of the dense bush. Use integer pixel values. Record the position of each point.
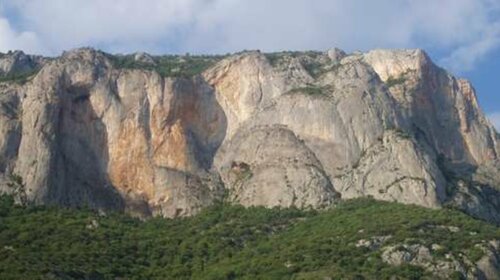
(223, 242)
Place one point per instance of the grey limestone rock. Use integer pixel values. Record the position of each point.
(292, 129)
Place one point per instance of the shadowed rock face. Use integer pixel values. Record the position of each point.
(289, 129)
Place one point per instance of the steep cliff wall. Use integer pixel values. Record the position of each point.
(283, 129)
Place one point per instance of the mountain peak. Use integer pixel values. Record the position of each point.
(394, 63)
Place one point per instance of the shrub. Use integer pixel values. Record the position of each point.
(314, 68)
(391, 81)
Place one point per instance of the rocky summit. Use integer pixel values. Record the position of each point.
(170, 135)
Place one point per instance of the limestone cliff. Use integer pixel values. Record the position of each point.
(17, 62)
(284, 129)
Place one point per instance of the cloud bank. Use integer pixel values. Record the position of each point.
(463, 31)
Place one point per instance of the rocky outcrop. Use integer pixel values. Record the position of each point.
(284, 129)
(17, 62)
(271, 160)
(10, 127)
(396, 169)
(489, 265)
(442, 108)
(114, 139)
(449, 265)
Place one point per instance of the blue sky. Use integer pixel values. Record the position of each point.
(463, 36)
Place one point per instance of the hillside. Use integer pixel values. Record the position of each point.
(358, 239)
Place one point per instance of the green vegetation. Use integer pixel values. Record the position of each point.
(225, 242)
(314, 68)
(391, 81)
(276, 58)
(308, 59)
(168, 65)
(401, 80)
(19, 77)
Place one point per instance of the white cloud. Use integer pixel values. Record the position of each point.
(465, 57)
(495, 120)
(12, 40)
(301, 24)
(466, 29)
(65, 24)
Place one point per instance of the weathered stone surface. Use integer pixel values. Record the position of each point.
(144, 58)
(373, 243)
(270, 166)
(443, 109)
(19, 62)
(420, 255)
(488, 267)
(394, 169)
(336, 54)
(489, 264)
(98, 136)
(476, 199)
(10, 127)
(299, 129)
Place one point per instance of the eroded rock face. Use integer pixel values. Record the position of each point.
(489, 264)
(395, 169)
(487, 267)
(18, 62)
(292, 129)
(272, 160)
(442, 109)
(115, 139)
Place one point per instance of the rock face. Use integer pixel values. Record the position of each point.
(487, 267)
(19, 62)
(285, 129)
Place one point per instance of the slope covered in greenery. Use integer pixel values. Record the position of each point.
(226, 242)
